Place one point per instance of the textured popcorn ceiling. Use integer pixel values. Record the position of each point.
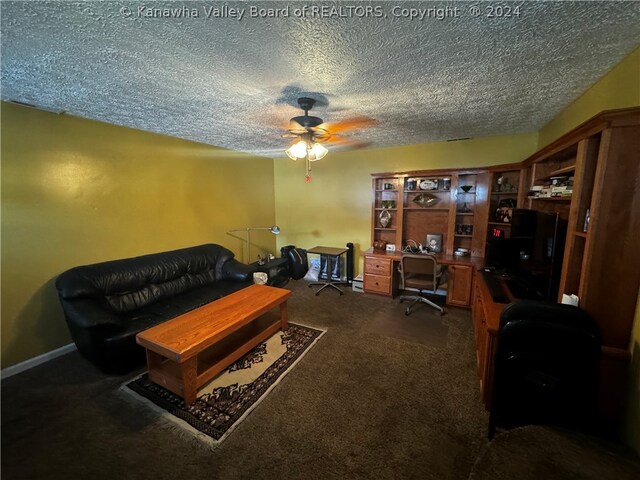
(231, 83)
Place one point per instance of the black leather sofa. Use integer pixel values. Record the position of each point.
(107, 304)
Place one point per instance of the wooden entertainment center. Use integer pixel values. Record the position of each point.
(601, 262)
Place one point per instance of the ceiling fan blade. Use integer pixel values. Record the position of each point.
(295, 127)
(348, 124)
(340, 141)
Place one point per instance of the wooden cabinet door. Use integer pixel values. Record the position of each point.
(460, 282)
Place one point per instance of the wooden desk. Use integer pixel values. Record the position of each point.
(613, 370)
(381, 274)
(486, 323)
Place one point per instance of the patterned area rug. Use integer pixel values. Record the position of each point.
(229, 397)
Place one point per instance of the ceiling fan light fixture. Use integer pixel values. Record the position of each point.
(297, 150)
(317, 152)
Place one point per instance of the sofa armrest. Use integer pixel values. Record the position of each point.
(239, 272)
(88, 314)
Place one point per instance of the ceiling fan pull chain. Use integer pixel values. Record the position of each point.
(307, 177)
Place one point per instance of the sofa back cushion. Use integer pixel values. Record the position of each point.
(129, 284)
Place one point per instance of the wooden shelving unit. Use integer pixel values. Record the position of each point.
(413, 222)
(386, 190)
(506, 185)
(602, 265)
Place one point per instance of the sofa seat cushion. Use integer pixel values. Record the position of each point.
(172, 307)
(163, 310)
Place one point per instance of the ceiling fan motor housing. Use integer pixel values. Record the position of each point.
(307, 121)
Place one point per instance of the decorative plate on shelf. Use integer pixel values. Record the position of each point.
(425, 200)
(428, 185)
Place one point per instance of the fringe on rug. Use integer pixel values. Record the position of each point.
(167, 422)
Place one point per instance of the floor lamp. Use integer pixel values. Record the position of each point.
(275, 230)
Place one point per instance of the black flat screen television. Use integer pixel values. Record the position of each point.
(531, 257)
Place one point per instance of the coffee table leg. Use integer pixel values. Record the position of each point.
(284, 316)
(189, 380)
(154, 360)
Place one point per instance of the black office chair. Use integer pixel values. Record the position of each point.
(546, 367)
(423, 273)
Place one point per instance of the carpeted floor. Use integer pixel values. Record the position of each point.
(361, 404)
(380, 396)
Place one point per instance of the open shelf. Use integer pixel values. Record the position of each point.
(580, 234)
(385, 229)
(427, 209)
(427, 191)
(551, 199)
(502, 224)
(562, 171)
(504, 193)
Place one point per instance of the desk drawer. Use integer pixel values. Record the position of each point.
(377, 266)
(377, 284)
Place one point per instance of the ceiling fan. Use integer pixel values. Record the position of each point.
(311, 132)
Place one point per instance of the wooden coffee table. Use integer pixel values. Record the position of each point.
(186, 352)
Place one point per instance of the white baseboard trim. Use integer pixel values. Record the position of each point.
(35, 361)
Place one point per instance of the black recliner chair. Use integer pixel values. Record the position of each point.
(546, 367)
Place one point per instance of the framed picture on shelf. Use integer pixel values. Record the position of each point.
(434, 242)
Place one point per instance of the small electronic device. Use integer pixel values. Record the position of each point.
(391, 247)
(497, 232)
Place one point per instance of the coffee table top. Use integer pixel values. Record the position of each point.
(184, 336)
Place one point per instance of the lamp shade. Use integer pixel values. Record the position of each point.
(316, 152)
(297, 150)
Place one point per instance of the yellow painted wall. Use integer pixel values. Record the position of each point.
(335, 208)
(619, 88)
(76, 191)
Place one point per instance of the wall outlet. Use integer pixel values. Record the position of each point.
(391, 248)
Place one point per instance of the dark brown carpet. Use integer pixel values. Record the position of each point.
(535, 452)
(365, 402)
(423, 325)
(224, 401)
